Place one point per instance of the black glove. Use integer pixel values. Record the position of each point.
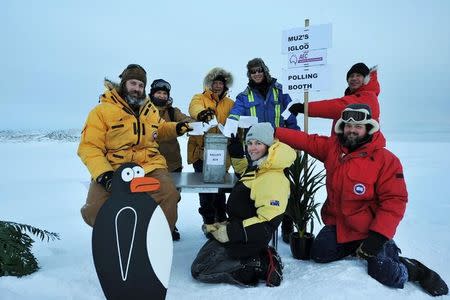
(297, 108)
(106, 180)
(206, 115)
(235, 148)
(371, 245)
(182, 128)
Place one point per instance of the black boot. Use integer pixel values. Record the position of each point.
(272, 267)
(175, 234)
(287, 227)
(428, 279)
(249, 273)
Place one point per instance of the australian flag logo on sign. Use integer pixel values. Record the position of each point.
(274, 202)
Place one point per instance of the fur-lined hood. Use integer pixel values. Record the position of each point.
(109, 84)
(214, 73)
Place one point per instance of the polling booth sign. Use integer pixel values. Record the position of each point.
(306, 38)
(306, 54)
(299, 80)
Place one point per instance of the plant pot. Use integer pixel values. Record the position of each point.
(301, 246)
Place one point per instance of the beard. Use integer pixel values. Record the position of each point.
(134, 98)
(352, 141)
(134, 101)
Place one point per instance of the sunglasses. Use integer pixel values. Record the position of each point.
(161, 84)
(355, 115)
(258, 70)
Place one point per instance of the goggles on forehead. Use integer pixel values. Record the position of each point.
(161, 85)
(355, 115)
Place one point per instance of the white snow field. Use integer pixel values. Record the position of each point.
(42, 184)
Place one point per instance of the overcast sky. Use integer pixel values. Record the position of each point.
(55, 54)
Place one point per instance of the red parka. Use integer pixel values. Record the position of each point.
(366, 189)
(332, 108)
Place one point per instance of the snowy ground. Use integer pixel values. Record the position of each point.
(42, 184)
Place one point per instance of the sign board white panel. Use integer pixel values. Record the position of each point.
(298, 80)
(306, 38)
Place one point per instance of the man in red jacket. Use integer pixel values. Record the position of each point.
(366, 199)
(363, 87)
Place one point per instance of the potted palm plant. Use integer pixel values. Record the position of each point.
(302, 208)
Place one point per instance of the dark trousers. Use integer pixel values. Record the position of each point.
(385, 267)
(212, 206)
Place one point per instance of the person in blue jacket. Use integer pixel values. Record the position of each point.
(264, 98)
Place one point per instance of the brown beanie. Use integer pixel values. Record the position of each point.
(133, 71)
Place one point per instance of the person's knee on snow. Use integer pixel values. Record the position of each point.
(386, 267)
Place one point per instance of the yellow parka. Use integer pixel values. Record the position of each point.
(114, 134)
(267, 183)
(221, 109)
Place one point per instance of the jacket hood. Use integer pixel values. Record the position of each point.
(218, 72)
(112, 93)
(280, 156)
(109, 85)
(371, 83)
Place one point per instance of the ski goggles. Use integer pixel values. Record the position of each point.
(355, 115)
(161, 84)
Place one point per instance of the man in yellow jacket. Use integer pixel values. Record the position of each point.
(126, 127)
(213, 102)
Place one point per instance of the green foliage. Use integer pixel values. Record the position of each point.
(301, 205)
(16, 258)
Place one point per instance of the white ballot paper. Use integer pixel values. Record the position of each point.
(197, 128)
(286, 113)
(213, 122)
(247, 121)
(230, 127)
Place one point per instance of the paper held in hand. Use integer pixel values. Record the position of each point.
(199, 128)
(247, 121)
(286, 113)
(230, 127)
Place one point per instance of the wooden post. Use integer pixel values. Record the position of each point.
(305, 117)
(306, 99)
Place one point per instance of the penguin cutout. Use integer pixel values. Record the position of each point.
(132, 244)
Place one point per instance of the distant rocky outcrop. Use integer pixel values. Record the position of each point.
(24, 136)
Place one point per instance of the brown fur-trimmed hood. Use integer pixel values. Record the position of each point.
(109, 84)
(216, 72)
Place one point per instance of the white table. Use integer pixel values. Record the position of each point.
(189, 182)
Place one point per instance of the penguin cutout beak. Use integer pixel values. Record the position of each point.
(144, 184)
